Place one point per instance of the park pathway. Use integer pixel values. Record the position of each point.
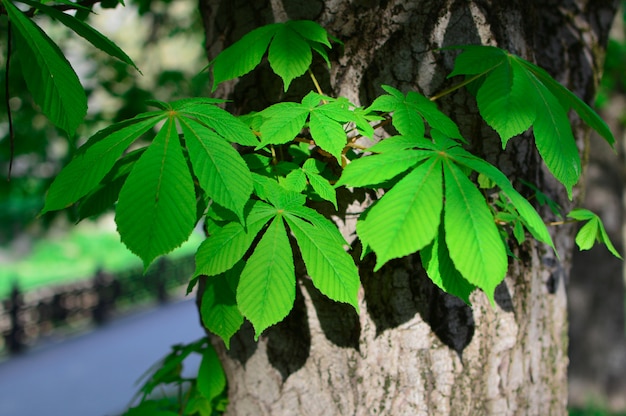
(94, 374)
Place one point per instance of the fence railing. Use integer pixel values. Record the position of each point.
(27, 317)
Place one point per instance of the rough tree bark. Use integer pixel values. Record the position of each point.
(414, 350)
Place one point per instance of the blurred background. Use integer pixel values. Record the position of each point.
(75, 305)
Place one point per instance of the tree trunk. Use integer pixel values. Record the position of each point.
(414, 350)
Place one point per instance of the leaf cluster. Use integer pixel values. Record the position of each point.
(253, 180)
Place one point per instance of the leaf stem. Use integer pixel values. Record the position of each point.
(317, 85)
(457, 86)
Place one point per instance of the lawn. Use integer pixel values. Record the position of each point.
(73, 256)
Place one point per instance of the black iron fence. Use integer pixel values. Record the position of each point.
(27, 317)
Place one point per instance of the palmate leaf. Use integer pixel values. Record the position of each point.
(81, 28)
(267, 286)
(224, 123)
(516, 94)
(592, 231)
(220, 170)
(211, 380)
(327, 134)
(156, 211)
(441, 270)
(410, 111)
(331, 269)
(503, 104)
(50, 78)
(407, 217)
(224, 248)
(373, 170)
(528, 214)
(282, 122)
(290, 55)
(472, 237)
(94, 160)
(219, 310)
(553, 134)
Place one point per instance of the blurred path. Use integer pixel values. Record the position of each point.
(95, 374)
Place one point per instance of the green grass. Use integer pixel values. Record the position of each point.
(74, 256)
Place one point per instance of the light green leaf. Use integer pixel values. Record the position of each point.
(244, 55)
(211, 381)
(156, 211)
(267, 287)
(375, 169)
(328, 134)
(223, 249)
(224, 123)
(309, 30)
(289, 54)
(592, 231)
(93, 161)
(477, 59)
(435, 118)
(219, 310)
(332, 270)
(220, 170)
(82, 29)
(283, 122)
(323, 188)
(528, 214)
(440, 268)
(295, 181)
(399, 143)
(407, 217)
(50, 78)
(570, 99)
(553, 135)
(472, 237)
(586, 237)
(320, 222)
(503, 103)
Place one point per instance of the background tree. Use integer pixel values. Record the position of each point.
(414, 349)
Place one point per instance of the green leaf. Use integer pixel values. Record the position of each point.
(295, 181)
(592, 231)
(223, 249)
(323, 188)
(328, 134)
(211, 378)
(224, 123)
(82, 29)
(553, 134)
(320, 222)
(289, 54)
(309, 30)
(440, 268)
(50, 78)
(92, 163)
(156, 211)
(407, 217)
(267, 287)
(435, 118)
(477, 59)
(472, 237)
(572, 101)
(244, 55)
(503, 103)
(219, 310)
(282, 123)
(220, 170)
(528, 214)
(332, 270)
(375, 169)
(399, 143)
